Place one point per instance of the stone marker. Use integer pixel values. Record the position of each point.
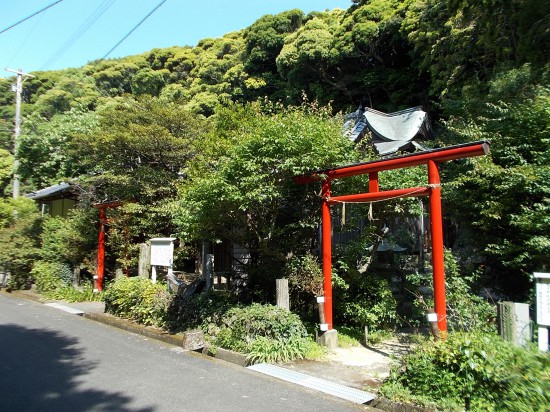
(193, 340)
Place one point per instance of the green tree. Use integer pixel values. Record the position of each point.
(6, 169)
(114, 77)
(245, 192)
(137, 154)
(456, 40)
(139, 149)
(504, 198)
(45, 158)
(148, 81)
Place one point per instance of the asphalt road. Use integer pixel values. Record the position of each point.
(54, 361)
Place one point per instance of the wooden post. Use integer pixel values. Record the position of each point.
(283, 300)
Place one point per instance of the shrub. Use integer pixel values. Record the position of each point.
(473, 371)
(466, 311)
(366, 300)
(19, 234)
(137, 299)
(267, 333)
(204, 311)
(305, 274)
(68, 293)
(48, 276)
(71, 240)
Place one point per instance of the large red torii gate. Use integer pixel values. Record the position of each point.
(429, 158)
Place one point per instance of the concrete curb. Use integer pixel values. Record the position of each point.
(157, 334)
(226, 355)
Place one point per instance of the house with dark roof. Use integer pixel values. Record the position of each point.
(55, 200)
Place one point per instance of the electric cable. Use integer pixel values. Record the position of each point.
(28, 17)
(101, 9)
(133, 29)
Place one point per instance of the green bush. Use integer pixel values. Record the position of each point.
(53, 281)
(137, 299)
(68, 293)
(265, 332)
(473, 371)
(71, 240)
(365, 300)
(47, 276)
(466, 311)
(20, 224)
(204, 311)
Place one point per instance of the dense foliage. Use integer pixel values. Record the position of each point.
(204, 142)
(19, 239)
(265, 333)
(473, 371)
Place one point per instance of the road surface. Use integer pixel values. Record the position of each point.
(54, 361)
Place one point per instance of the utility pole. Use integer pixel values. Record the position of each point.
(17, 130)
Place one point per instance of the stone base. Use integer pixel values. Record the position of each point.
(328, 338)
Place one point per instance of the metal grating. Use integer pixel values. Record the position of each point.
(321, 385)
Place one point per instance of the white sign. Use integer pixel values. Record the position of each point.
(162, 251)
(543, 298)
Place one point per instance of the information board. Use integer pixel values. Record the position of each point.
(162, 251)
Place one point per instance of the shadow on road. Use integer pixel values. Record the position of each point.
(40, 369)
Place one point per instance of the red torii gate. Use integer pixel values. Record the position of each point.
(429, 158)
(98, 278)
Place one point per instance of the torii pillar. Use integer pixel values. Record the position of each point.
(98, 278)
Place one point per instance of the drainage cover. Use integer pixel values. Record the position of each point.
(321, 385)
(64, 308)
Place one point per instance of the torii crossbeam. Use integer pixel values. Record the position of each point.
(429, 158)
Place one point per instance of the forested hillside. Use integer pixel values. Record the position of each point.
(205, 140)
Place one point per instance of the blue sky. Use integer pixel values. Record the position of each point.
(74, 32)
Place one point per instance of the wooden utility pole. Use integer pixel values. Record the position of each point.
(18, 89)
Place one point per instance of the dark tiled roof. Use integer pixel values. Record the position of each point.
(59, 191)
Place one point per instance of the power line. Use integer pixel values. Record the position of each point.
(32, 15)
(102, 8)
(131, 31)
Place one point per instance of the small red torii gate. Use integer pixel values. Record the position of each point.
(429, 158)
(98, 278)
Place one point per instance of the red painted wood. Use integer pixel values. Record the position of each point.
(327, 253)
(436, 227)
(101, 250)
(384, 195)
